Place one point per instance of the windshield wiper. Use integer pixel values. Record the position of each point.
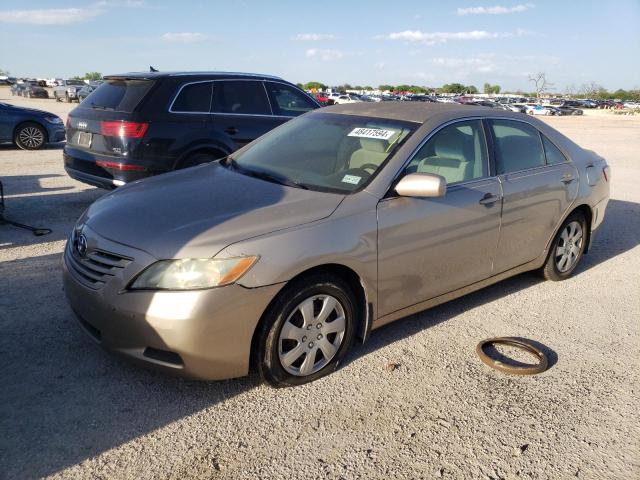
(231, 162)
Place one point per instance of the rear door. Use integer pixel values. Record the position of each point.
(539, 185)
(241, 110)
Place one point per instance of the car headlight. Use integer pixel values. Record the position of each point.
(55, 120)
(193, 273)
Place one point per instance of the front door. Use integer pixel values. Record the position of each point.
(431, 246)
(539, 185)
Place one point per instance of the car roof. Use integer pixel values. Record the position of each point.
(155, 75)
(418, 112)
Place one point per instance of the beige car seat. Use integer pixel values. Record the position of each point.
(448, 157)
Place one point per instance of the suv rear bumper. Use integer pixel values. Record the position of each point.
(82, 166)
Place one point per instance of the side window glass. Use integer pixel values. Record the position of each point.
(517, 146)
(553, 153)
(193, 98)
(458, 152)
(240, 97)
(288, 101)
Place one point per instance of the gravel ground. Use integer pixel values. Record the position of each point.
(414, 402)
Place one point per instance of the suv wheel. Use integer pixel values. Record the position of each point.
(30, 136)
(307, 332)
(567, 248)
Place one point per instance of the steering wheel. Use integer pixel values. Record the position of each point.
(368, 166)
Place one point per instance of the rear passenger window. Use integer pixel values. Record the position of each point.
(246, 97)
(288, 101)
(517, 146)
(553, 153)
(458, 152)
(193, 98)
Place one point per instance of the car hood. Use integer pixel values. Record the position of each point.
(199, 211)
(34, 111)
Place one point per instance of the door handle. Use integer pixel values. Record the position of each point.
(231, 130)
(489, 199)
(567, 178)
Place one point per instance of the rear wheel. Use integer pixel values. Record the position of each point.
(307, 332)
(567, 248)
(30, 136)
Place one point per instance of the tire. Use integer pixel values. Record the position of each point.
(566, 248)
(198, 158)
(30, 136)
(281, 357)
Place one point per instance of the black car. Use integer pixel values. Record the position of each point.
(34, 91)
(141, 124)
(28, 128)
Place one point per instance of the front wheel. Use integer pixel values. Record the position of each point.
(307, 331)
(30, 136)
(567, 249)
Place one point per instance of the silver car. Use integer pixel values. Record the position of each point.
(280, 256)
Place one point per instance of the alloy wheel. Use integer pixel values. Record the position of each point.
(312, 335)
(31, 137)
(569, 246)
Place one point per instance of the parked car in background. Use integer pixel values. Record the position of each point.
(352, 217)
(54, 82)
(34, 91)
(28, 128)
(322, 98)
(17, 88)
(341, 99)
(536, 109)
(68, 90)
(137, 125)
(85, 91)
(568, 108)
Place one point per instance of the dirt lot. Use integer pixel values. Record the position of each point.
(70, 410)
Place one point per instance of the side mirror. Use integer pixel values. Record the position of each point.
(422, 185)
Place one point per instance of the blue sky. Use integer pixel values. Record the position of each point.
(367, 43)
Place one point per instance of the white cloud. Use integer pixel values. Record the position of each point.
(379, 64)
(324, 54)
(431, 38)
(496, 10)
(50, 16)
(184, 37)
(314, 37)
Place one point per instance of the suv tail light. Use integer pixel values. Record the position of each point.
(123, 129)
(606, 171)
(67, 123)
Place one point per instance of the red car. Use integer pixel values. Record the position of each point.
(322, 98)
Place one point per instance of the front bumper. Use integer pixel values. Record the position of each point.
(55, 133)
(203, 334)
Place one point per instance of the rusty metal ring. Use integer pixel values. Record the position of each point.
(522, 344)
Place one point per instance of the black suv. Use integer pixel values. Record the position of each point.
(142, 124)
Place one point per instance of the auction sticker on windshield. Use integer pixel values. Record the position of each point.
(379, 133)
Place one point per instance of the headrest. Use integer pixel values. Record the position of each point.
(450, 144)
(378, 145)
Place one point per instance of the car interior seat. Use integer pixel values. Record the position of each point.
(372, 151)
(449, 156)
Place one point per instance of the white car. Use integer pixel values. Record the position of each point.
(535, 109)
(346, 99)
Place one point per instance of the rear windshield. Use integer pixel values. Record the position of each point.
(119, 95)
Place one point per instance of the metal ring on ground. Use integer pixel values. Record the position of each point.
(540, 367)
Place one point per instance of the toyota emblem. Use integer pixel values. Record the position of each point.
(81, 245)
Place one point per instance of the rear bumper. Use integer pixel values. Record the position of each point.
(81, 165)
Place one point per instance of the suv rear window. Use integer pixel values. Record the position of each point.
(119, 95)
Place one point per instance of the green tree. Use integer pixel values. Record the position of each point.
(93, 76)
(454, 88)
(368, 87)
(471, 89)
(314, 85)
(491, 89)
(385, 88)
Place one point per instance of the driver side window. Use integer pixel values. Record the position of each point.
(458, 152)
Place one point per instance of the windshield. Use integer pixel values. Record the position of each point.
(324, 151)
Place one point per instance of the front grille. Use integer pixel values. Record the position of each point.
(96, 267)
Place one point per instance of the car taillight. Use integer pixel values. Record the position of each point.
(67, 124)
(606, 171)
(120, 166)
(123, 129)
